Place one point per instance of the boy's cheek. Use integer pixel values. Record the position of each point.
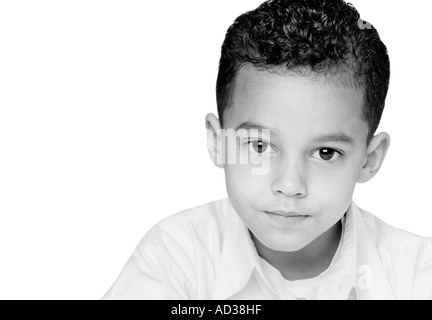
(333, 190)
(240, 179)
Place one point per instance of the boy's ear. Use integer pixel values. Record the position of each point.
(214, 137)
(375, 154)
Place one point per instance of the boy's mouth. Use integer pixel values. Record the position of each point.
(285, 217)
(286, 213)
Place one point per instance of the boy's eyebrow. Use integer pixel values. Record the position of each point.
(248, 125)
(335, 137)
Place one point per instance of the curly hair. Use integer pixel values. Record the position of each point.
(307, 36)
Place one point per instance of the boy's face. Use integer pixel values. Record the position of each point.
(316, 150)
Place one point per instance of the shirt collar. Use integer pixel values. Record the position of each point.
(337, 281)
(371, 282)
(237, 260)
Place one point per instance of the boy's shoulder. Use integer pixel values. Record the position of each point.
(393, 241)
(400, 261)
(205, 218)
(383, 231)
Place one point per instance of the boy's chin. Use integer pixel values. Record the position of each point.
(288, 245)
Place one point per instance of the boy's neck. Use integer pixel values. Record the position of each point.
(308, 262)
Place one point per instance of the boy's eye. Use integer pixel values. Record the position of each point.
(328, 154)
(259, 146)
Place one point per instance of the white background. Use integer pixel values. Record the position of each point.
(102, 107)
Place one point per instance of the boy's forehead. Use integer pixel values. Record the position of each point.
(249, 75)
(288, 97)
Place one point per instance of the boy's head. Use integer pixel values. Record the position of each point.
(311, 75)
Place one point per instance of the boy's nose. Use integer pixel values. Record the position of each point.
(290, 181)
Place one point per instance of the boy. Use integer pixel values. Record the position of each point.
(301, 87)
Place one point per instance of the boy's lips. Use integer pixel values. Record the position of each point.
(285, 218)
(286, 213)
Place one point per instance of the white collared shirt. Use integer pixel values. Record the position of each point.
(207, 253)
